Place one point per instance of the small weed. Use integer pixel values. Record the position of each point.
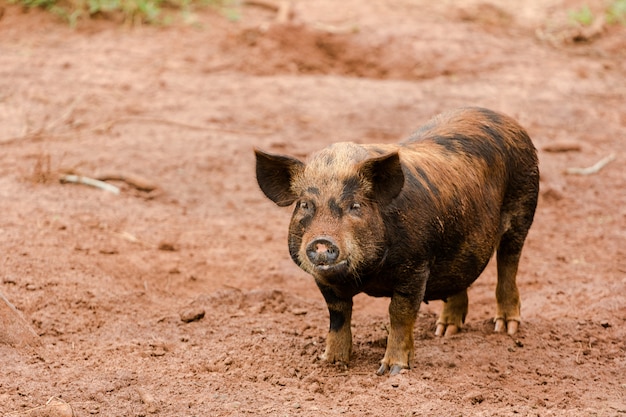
(42, 171)
(614, 13)
(131, 11)
(582, 16)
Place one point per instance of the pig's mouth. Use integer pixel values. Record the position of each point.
(340, 267)
(329, 270)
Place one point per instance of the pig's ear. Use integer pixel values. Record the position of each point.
(274, 174)
(386, 176)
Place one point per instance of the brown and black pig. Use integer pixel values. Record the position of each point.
(414, 221)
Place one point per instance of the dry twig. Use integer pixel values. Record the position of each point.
(148, 399)
(79, 179)
(135, 181)
(595, 168)
(283, 8)
(54, 407)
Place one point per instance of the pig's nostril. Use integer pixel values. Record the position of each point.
(322, 252)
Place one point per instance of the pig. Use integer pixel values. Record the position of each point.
(414, 221)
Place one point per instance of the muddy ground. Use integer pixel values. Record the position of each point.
(105, 280)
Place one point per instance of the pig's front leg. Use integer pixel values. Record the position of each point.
(339, 339)
(405, 303)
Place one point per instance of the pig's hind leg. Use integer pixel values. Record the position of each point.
(518, 214)
(508, 311)
(453, 315)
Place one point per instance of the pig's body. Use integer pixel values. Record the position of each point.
(415, 221)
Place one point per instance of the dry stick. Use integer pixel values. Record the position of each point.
(148, 399)
(264, 4)
(131, 238)
(63, 408)
(284, 12)
(592, 169)
(79, 179)
(135, 181)
(282, 9)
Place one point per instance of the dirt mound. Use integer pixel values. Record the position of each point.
(302, 49)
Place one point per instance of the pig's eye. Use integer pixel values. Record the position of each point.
(304, 205)
(355, 207)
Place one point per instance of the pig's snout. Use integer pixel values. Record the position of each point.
(322, 252)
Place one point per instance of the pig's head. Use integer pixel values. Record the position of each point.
(337, 231)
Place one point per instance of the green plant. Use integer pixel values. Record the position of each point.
(582, 16)
(131, 11)
(616, 12)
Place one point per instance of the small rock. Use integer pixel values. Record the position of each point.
(475, 397)
(167, 246)
(315, 388)
(551, 194)
(109, 251)
(563, 146)
(9, 280)
(192, 314)
(53, 408)
(148, 399)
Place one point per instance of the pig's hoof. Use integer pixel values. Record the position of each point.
(446, 330)
(509, 326)
(394, 370)
(334, 361)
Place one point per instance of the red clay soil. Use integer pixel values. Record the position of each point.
(177, 296)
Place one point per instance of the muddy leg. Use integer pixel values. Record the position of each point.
(339, 339)
(400, 348)
(508, 313)
(453, 315)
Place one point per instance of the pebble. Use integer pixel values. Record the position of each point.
(54, 408)
(192, 314)
(563, 146)
(167, 246)
(315, 388)
(9, 280)
(475, 397)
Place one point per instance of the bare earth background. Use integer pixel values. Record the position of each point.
(104, 280)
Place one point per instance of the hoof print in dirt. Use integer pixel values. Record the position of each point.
(414, 221)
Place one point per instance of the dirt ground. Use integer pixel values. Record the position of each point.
(114, 286)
